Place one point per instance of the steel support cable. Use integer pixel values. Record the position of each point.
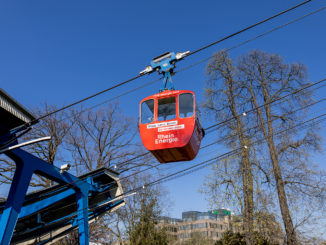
(134, 78)
(205, 59)
(267, 103)
(84, 99)
(103, 91)
(257, 142)
(200, 167)
(114, 98)
(225, 138)
(208, 145)
(154, 166)
(255, 38)
(208, 162)
(223, 125)
(232, 118)
(227, 154)
(240, 44)
(236, 46)
(248, 28)
(224, 155)
(197, 167)
(203, 164)
(191, 53)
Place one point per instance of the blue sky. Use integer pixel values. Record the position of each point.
(61, 51)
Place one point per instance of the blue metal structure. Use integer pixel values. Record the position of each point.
(48, 215)
(165, 64)
(57, 210)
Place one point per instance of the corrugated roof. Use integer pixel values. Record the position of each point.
(12, 114)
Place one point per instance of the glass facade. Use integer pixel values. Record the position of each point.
(206, 224)
(212, 225)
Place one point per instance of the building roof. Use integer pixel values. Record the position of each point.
(12, 113)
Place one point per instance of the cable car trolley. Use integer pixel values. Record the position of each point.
(169, 122)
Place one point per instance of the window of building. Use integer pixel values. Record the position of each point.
(214, 234)
(204, 233)
(212, 225)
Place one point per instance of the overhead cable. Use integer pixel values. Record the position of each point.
(225, 155)
(248, 28)
(205, 59)
(210, 161)
(224, 138)
(191, 53)
(240, 114)
(267, 103)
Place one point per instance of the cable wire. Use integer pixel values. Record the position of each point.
(255, 38)
(84, 99)
(267, 103)
(236, 46)
(248, 28)
(271, 102)
(205, 163)
(117, 85)
(224, 138)
(203, 60)
(224, 155)
(191, 53)
(241, 114)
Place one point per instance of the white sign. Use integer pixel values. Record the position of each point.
(176, 127)
(157, 125)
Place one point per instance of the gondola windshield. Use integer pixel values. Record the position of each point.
(166, 109)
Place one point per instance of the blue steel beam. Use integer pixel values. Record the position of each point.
(82, 216)
(26, 165)
(35, 207)
(72, 219)
(18, 189)
(74, 222)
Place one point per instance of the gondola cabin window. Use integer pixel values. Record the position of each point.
(147, 111)
(186, 105)
(166, 109)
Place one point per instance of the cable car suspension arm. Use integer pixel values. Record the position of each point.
(164, 64)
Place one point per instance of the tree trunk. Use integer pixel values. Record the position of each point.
(268, 134)
(245, 169)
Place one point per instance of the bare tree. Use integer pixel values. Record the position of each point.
(257, 81)
(102, 138)
(50, 151)
(141, 212)
(268, 78)
(106, 138)
(231, 101)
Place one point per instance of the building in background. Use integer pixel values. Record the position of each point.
(210, 225)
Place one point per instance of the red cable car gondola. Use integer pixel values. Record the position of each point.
(169, 123)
